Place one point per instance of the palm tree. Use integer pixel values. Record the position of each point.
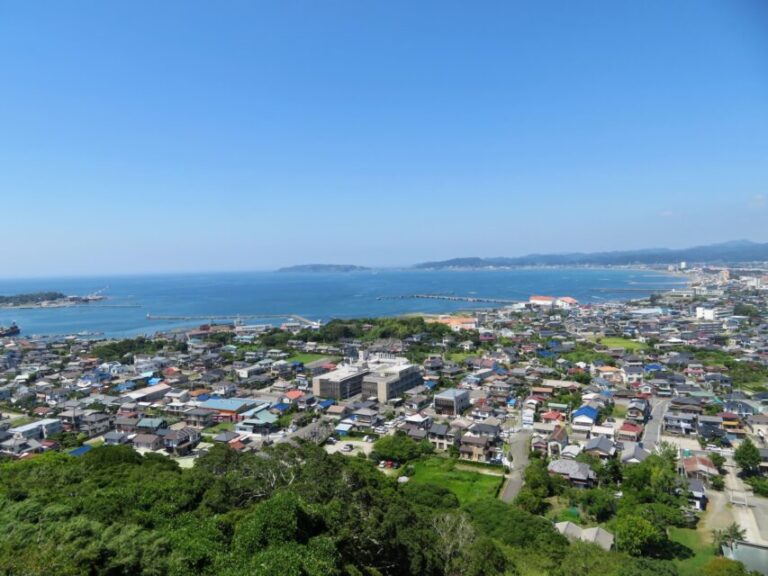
(727, 536)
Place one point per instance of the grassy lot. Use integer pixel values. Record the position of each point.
(701, 545)
(619, 411)
(623, 343)
(21, 421)
(306, 357)
(468, 486)
(459, 357)
(559, 511)
(220, 427)
(755, 386)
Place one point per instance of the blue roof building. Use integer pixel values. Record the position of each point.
(228, 404)
(586, 411)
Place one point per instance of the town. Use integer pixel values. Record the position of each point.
(548, 403)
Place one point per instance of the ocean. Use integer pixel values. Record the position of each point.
(313, 295)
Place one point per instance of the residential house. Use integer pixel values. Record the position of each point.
(583, 419)
(441, 436)
(595, 535)
(578, 474)
(679, 423)
(147, 442)
(601, 447)
(630, 432)
(181, 442)
(638, 410)
(475, 448)
(451, 401)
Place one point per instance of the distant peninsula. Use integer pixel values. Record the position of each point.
(31, 298)
(324, 268)
(45, 299)
(739, 251)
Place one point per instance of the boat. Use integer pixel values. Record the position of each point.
(12, 330)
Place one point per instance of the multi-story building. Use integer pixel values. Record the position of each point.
(389, 377)
(452, 401)
(344, 382)
(37, 430)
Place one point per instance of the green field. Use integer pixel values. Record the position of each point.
(622, 343)
(220, 427)
(619, 411)
(700, 544)
(468, 486)
(459, 357)
(21, 421)
(306, 358)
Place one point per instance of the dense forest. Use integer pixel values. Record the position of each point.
(291, 510)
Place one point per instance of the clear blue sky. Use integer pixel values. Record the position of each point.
(149, 136)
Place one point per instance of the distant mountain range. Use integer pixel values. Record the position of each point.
(727, 252)
(323, 268)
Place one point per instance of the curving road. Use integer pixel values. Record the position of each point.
(519, 448)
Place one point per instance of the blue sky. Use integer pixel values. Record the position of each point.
(181, 136)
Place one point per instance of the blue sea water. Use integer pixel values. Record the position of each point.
(317, 296)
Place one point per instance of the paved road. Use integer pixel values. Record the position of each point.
(652, 433)
(519, 449)
(746, 507)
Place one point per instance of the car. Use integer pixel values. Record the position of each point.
(347, 448)
(331, 441)
(382, 464)
(367, 439)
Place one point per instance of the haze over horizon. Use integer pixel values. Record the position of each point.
(142, 138)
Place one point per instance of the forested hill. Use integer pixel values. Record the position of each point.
(323, 268)
(729, 252)
(289, 511)
(31, 298)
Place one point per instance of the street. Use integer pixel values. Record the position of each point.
(519, 451)
(652, 433)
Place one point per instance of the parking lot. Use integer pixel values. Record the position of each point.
(358, 446)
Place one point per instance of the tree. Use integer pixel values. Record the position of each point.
(531, 501)
(454, 534)
(747, 456)
(400, 448)
(748, 310)
(485, 558)
(718, 460)
(727, 536)
(636, 536)
(724, 567)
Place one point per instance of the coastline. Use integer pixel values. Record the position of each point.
(318, 296)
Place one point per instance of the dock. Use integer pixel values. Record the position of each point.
(632, 290)
(451, 298)
(224, 317)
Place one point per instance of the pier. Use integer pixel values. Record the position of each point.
(220, 317)
(450, 298)
(633, 290)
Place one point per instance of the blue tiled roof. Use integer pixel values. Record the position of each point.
(228, 404)
(588, 411)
